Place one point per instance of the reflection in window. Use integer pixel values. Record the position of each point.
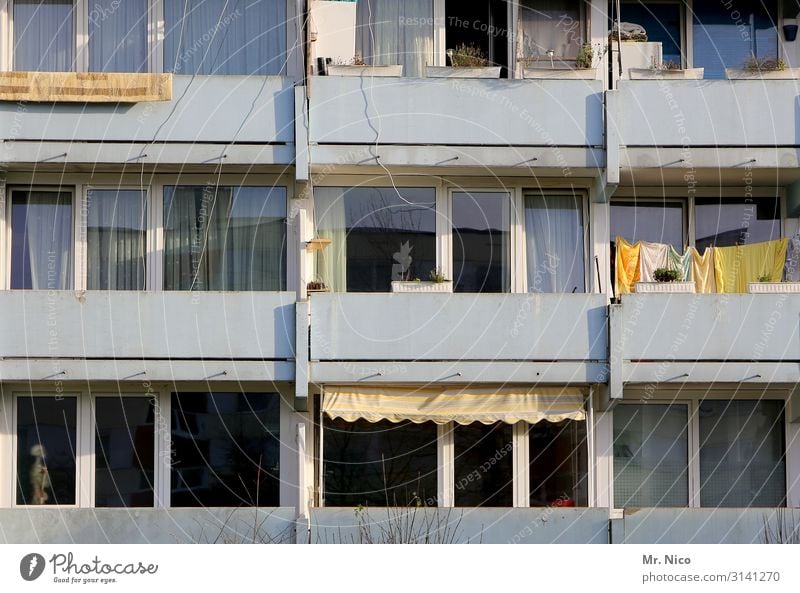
(554, 243)
(115, 239)
(41, 240)
(124, 451)
(663, 23)
(558, 464)
(654, 221)
(225, 37)
(377, 235)
(44, 35)
(481, 24)
(484, 471)
(724, 222)
(379, 464)
(551, 26)
(118, 36)
(481, 241)
(225, 449)
(742, 461)
(224, 238)
(651, 456)
(46, 468)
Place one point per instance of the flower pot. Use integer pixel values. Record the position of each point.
(413, 286)
(665, 287)
(560, 73)
(790, 32)
(745, 74)
(651, 74)
(773, 287)
(465, 72)
(365, 71)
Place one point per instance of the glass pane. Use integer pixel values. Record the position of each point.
(661, 21)
(379, 464)
(727, 34)
(550, 25)
(124, 451)
(481, 241)
(558, 464)
(377, 235)
(118, 36)
(224, 238)
(44, 36)
(742, 461)
(656, 222)
(724, 222)
(225, 449)
(116, 226)
(651, 456)
(46, 469)
(224, 37)
(554, 243)
(41, 240)
(484, 470)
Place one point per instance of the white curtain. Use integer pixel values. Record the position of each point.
(118, 36)
(116, 240)
(329, 214)
(246, 37)
(44, 36)
(41, 240)
(550, 25)
(396, 32)
(554, 243)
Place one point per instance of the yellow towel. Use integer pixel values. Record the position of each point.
(627, 266)
(735, 266)
(703, 271)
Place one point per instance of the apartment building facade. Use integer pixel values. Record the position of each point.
(219, 218)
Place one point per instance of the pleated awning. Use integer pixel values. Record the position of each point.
(461, 405)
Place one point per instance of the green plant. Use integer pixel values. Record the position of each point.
(316, 285)
(467, 56)
(670, 65)
(666, 275)
(437, 276)
(585, 57)
(755, 64)
(764, 278)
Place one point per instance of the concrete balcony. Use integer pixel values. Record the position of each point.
(137, 336)
(459, 338)
(430, 122)
(250, 119)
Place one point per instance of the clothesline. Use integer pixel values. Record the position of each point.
(716, 270)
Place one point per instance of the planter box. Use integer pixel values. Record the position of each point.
(452, 72)
(665, 287)
(742, 74)
(402, 286)
(773, 287)
(560, 73)
(651, 74)
(365, 71)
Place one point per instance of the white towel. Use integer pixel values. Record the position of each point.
(651, 257)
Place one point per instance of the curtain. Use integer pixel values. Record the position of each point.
(116, 240)
(329, 213)
(44, 36)
(396, 32)
(118, 36)
(554, 244)
(550, 25)
(245, 37)
(41, 240)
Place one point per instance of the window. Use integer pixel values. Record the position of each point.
(724, 222)
(727, 34)
(379, 464)
(225, 449)
(742, 461)
(479, 24)
(546, 26)
(41, 240)
(656, 221)
(663, 22)
(651, 455)
(225, 37)
(46, 450)
(116, 229)
(44, 35)
(481, 241)
(118, 35)
(377, 235)
(124, 451)
(484, 471)
(558, 464)
(554, 243)
(224, 238)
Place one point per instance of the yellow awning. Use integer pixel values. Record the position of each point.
(460, 405)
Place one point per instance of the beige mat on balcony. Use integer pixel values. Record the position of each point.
(84, 87)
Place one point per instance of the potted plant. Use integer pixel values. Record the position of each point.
(316, 286)
(437, 282)
(667, 70)
(666, 280)
(468, 61)
(763, 69)
(583, 68)
(766, 286)
(357, 67)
